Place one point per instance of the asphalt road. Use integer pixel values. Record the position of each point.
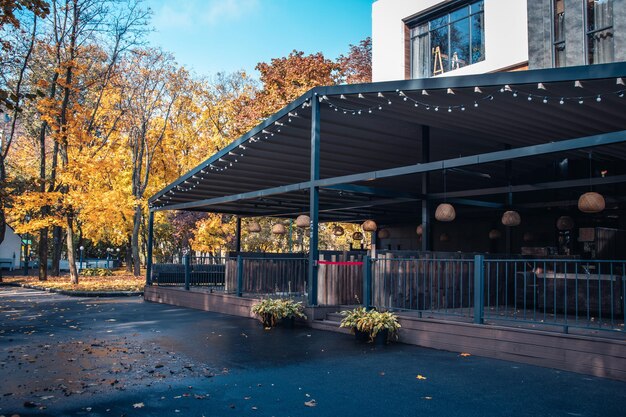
(63, 356)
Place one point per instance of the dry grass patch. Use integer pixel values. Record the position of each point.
(119, 281)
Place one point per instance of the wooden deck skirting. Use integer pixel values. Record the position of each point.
(597, 356)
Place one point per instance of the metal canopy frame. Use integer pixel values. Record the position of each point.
(378, 150)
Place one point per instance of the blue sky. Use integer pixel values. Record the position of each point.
(210, 36)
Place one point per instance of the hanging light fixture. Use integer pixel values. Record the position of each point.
(528, 237)
(278, 229)
(511, 218)
(419, 230)
(369, 226)
(445, 212)
(444, 237)
(338, 230)
(495, 234)
(564, 223)
(303, 221)
(384, 234)
(591, 202)
(357, 236)
(254, 227)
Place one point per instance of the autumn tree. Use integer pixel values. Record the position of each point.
(356, 67)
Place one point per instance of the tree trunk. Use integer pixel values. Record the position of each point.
(43, 254)
(135, 241)
(71, 258)
(57, 248)
(129, 254)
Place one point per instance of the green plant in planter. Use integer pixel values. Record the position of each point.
(371, 322)
(271, 310)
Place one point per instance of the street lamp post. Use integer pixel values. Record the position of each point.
(82, 248)
(109, 250)
(118, 257)
(26, 252)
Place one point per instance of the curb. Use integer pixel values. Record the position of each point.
(76, 293)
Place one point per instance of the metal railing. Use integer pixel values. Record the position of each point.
(560, 292)
(565, 293)
(205, 271)
(273, 276)
(444, 286)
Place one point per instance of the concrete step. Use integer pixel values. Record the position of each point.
(329, 325)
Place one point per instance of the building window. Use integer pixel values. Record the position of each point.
(599, 28)
(558, 41)
(448, 41)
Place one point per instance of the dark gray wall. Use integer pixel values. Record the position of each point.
(540, 32)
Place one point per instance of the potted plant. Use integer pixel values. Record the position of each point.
(378, 326)
(271, 311)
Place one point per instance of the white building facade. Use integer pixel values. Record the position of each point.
(426, 38)
(10, 250)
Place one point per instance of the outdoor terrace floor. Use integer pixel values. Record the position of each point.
(177, 361)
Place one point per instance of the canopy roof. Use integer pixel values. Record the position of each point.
(553, 127)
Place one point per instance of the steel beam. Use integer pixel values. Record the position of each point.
(314, 199)
(150, 244)
(426, 232)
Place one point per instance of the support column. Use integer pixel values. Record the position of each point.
(238, 235)
(314, 199)
(426, 224)
(150, 242)
(508, 170)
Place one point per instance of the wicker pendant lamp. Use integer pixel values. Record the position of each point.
(357, 236)
(369, 226)
(495, 234)
(591, 202)
(564, 223)
(419, 230)
(303, 221)
(511, 218)
(254, 227)
(384, 234)
(444, 237)
(278, 229)
(338, 230)
(445, 212)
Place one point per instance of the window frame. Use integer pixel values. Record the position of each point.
(438, 12)
(589, 33)
(556, 43)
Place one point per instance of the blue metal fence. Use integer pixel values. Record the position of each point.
(202, 271)
(564, 293)
(265, 276)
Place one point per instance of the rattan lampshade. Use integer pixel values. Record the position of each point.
(279, 229)
(444, 237)
(254, 227)
(338, 230)
(445, 212)
(383, 234)
(369, 226)
(528, 237)
(511, 218)
(591, 202)
(419, 230)
(565, 223)
(495, 234)
(303, 221)
(357, 236)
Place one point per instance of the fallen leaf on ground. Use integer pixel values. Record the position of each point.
(427, 398)
(465, 354)
(138, 405)
(420, 377)
(311, 403)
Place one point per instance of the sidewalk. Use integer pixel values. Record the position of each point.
(121, 356)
